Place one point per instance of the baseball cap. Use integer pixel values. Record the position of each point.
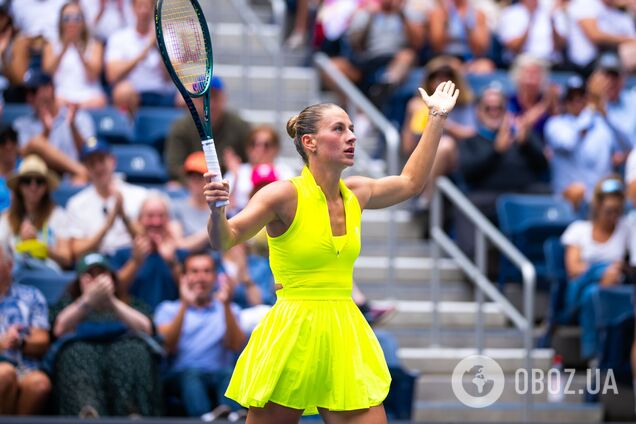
(263, 174)
(195, 162)
(34, 78)
(574, 85)
(94, 145)
(216, 83)
(609, 62)
(91, 260)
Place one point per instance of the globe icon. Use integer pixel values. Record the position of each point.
(476, 382)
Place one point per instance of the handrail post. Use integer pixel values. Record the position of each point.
(436, 223)
(480, 261)
(529, 281)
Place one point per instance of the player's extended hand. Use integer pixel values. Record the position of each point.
(444, 98)
(215, 191)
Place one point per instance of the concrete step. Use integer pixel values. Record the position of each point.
(407, 270)
(443, 360)
(507, 412)
(413, 248)
(376, 225)
(237, 38)
(495, 338)
(419, 314)
(438, 388)
(452, 292)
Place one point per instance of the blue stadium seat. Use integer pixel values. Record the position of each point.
(51, 285)
(13, 110)
(112, 125)
(64, 192)
(140, 164)
(152, 125)
(479, 82)
(528, 221)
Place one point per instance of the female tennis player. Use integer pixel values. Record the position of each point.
(314, 351)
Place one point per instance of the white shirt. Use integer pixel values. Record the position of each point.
(581, 50)
(514, 22)
(148, 75)
(579, 234)
(631, 223)
(86, 214)
(72, 82)
(37, 17)
(111, 20)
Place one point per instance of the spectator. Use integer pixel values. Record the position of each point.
(102, 363)
(100, 214)
(25, 58)
(384, 38)
(298, 36)
(24, 338)
(133, 64)
(596, 25)
(530, 26)
(457, 28)
(192, 213)
(263, 148)
(8, 36)
(230, 131)
(37, 17)
(150, 269)
(8, 162)
(594, 256)
(534, 100)
(75, 61)
(35, 228)
(202, 334)
(581, 143)
(56, 134)
(105, 17)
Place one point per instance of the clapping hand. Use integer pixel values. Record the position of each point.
(224, 293)
(187, 296)
(443, 100)
(28, 230)
(11, 338)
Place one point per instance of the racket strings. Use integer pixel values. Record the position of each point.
(185, 44)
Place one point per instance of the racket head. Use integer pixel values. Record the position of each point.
(185, 45)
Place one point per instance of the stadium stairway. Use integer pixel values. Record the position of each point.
(252, 92)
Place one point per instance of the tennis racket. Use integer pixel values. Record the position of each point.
(186, 50)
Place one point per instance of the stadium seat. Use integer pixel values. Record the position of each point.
(112, 125)
(528, 221)
(64, 192)
(11, 111)
(51, 285)
(479, 82)
(555, 272)
(152, 125)
(139, 163)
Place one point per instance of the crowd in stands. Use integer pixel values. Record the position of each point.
(149, 305)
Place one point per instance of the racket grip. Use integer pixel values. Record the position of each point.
(212, 161)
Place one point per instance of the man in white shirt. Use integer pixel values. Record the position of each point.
(530, 26)
(133, 64)
(594, 24)
(37, 17)
(100, 215)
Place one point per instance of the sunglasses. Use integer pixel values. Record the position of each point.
(489, 109)
(266, 145)
(75, 17)
(27, 181)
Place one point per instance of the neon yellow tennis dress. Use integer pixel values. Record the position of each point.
(314, 348)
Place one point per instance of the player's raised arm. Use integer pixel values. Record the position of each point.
(393, 189)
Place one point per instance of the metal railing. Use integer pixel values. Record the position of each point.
(476, 272)
(391, 135)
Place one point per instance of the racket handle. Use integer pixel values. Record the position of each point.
(212, 161)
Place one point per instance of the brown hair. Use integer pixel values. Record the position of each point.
(306, 122)
(450, 65)
(269, 130)
(17, 210)
(84, 33)
(606, 187)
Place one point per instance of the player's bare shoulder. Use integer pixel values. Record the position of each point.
(361, 187)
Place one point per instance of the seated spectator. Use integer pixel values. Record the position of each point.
(105, 17)
(150, 269)
(263, 148)
(192, 213)
(8, 162)
(249, 276)
(25, 57)
(101, 215)
(56, 134)
(581, 143)
(37, 17)
(133, 64)
(298, 36)
(35, 228)
(594, 256)
(8, 36)
(202, 334)
(594, 26)
(531, 26)
(230, 131)
(384, 38)
(534, 100)
(24, 338)
(458, 28)
(75, 61)
(102, 363)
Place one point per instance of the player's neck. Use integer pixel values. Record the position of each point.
(328, 179)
